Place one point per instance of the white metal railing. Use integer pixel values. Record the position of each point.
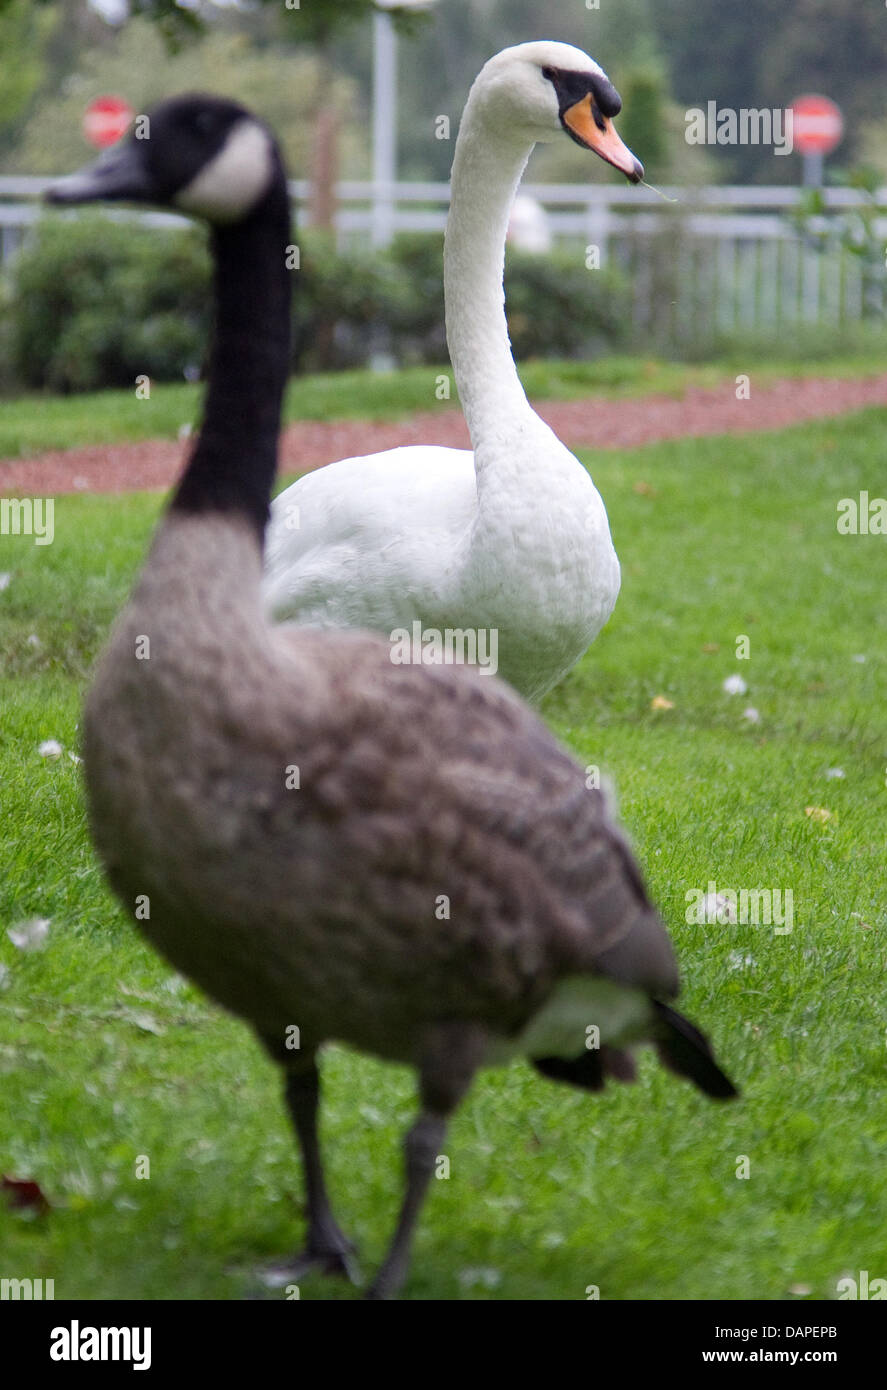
(737, 255)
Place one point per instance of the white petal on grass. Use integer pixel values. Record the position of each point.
(479, 1278)
(5, 580)
(734, 685)
(34, 640)
(752, 715)
(835, 772)
(144, 1021)
(717, 909)
(860, 658)
(74, 758)
(275, 1276)
(740, 960)
(50, 748)
(30, 935)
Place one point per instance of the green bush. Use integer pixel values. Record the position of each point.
(94, 302)
(338, 301)
(558, 308)
(349, 303)
(555, 306)
(415, 306)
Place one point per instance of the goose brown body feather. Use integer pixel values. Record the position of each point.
(316, 905)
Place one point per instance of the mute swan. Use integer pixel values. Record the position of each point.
(514, 539)
(281, 808)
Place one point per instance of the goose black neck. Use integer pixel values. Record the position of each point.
(233, 463)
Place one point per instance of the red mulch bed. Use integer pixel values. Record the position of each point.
(591, 423)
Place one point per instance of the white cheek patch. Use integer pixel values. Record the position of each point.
(560, 1027)
(234, 181)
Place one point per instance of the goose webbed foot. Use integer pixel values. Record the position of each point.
(331, 1252)
(326, 1251)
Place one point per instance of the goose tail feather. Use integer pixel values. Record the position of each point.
(686, 1051)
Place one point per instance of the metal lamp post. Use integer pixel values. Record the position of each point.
(385, 115)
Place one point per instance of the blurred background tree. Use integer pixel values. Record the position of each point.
(317, 66)
(25, 35)
(137, 65)
(760, 54)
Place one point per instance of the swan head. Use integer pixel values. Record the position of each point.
(541, 90)
(195, 153)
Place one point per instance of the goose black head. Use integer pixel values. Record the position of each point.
(195, 153)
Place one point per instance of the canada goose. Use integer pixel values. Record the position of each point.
(512, 538)
(292, 811)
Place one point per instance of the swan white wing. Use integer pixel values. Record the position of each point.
(370, 541)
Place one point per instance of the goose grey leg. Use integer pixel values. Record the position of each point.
(421, 1147)
(444, 1077)
(326, 1245)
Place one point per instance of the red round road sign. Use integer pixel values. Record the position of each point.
(106, 119)
(817, 124)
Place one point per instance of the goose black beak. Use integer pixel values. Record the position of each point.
(596, 132)
(118, 174)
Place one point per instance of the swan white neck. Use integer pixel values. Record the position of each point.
(487, 169)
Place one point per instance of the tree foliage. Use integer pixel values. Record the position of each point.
(664, 58)
(24, 34)
(279, 84)
(760, 54)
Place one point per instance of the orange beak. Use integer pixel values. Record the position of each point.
(580, 122)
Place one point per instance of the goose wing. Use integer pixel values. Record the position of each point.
(484, 839)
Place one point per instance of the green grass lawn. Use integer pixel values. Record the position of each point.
(106, 1056)
(34, 423)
